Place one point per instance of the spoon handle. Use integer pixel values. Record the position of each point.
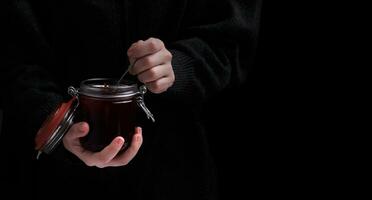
(122, 76)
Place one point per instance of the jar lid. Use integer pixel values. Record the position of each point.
(108, 88)
(55, 127)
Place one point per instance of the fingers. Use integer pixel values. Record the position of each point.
(152, 63)
(144, 48)
(78, 130)
(144, 63)
(109, 156)
(153, 74)
(103, 158)
(160, 85)
(129, 154)
(71, 139)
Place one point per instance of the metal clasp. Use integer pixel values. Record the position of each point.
(141, 103)
(72, 91)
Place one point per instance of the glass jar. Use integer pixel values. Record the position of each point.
(109, 109)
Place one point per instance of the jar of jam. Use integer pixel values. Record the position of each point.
(109, 108)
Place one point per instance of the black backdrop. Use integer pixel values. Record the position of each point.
(238, 142)
(258, 131)
(269, 134)
(237, 124)
(257, 144)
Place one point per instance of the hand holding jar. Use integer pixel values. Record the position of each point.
(108, 157)
(151, 63)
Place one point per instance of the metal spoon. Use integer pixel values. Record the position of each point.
(125, 73)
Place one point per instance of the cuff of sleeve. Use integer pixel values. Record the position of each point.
(183, 67)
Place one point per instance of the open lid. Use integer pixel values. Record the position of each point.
(55, 127)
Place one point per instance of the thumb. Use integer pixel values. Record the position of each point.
(78, 130)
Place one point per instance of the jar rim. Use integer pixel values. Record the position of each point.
(108, 88)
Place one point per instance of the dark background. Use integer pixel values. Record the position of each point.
(239, 128)
(1, 119)
(271, 136)
(242, 127)
(262, 132)
(265, 134)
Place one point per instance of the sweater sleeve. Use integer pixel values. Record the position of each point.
(217, 43)
(29, 92)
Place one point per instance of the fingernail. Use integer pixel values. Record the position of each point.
(82, 127)
(119, 141)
